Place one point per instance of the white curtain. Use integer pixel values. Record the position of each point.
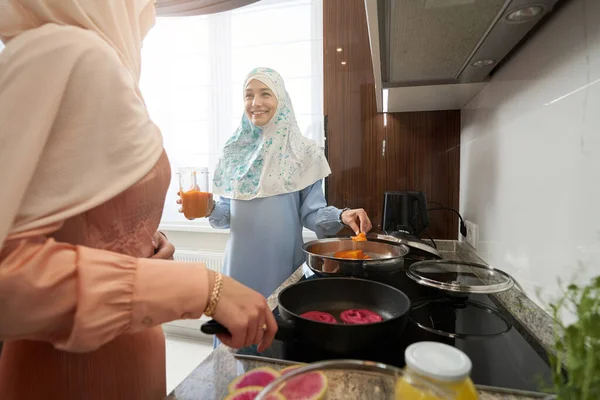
(178, 8)
(193, 70)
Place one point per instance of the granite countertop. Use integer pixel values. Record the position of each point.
(210, 379)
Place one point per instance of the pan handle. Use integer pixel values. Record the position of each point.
(285, 329)
(212, 327)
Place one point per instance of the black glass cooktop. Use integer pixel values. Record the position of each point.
(501, 354)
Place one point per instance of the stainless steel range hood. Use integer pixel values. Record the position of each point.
(438, 54)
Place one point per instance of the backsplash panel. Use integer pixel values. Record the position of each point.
(369, 152)
(530, 156)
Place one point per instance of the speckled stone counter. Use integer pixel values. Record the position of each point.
(210, 379)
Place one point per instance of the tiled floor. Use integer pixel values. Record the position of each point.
(183, 355)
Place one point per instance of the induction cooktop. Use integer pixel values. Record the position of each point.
(501, 354)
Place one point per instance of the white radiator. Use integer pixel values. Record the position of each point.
(212, 260)
(190, 328)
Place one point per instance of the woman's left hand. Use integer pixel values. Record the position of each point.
(357, 220)
(162, 247)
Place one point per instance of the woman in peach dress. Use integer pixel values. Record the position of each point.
(85, 279)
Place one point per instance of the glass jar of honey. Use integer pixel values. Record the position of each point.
(444, 366)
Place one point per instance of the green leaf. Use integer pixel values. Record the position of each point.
(577, 346)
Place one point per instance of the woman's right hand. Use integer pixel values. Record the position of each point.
(246, 315)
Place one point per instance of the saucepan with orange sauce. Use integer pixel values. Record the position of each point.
(354, 256)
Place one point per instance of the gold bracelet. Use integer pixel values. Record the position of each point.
(215, 296)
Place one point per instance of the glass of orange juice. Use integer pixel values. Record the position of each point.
(196, 201)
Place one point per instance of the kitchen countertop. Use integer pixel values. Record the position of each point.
(210, 379)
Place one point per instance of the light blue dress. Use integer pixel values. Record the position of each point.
(265, 245)
(269, 181)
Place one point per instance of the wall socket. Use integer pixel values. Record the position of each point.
(472, 234)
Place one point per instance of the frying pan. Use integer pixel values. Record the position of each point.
(384, 257)
(334, 295)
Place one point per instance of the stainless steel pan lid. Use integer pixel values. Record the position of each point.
(460, 277)
(417, 248)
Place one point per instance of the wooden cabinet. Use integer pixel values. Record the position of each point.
(371, 153)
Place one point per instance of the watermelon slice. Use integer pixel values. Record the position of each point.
(247, 393)
(319, 317)
(259, 377)
(289, 369)
(356, 317)
(252, 392)
(309, 386)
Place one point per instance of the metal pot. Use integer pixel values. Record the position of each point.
(385, 257)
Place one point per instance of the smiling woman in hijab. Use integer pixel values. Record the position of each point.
(85, 280)
(269, 180)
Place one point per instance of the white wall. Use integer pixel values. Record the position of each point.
(530, 157)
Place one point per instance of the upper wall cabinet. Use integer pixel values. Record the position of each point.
(438, 54)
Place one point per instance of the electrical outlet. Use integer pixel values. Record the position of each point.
(472, 234)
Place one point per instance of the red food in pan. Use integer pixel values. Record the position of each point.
(320, 317)
(360, 317)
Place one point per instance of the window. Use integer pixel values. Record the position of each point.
(193, 70)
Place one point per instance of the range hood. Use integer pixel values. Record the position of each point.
(438, 54)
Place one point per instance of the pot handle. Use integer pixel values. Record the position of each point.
(285, 331)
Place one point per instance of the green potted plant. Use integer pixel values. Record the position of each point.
(577, 344)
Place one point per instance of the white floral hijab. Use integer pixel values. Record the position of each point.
(270, 160)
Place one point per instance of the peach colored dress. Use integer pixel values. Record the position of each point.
(131, 366)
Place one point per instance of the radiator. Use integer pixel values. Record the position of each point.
(212, 260)
(190, 328)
